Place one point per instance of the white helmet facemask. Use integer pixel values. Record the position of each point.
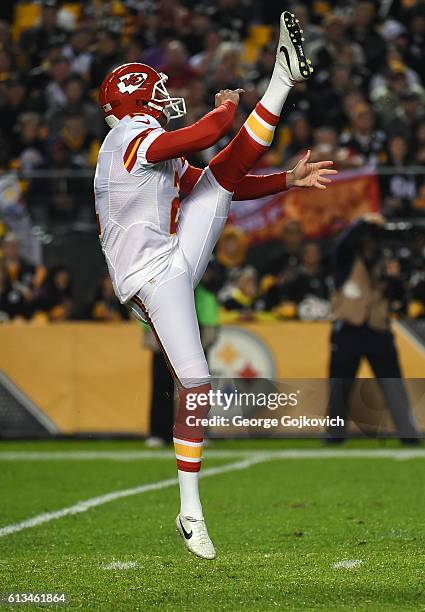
(174, 108)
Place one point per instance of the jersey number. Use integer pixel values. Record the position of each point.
(175, 206)
(174, 215)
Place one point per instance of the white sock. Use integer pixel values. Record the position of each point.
(190, 504)
(277, 91)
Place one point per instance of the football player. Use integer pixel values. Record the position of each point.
(157, 250)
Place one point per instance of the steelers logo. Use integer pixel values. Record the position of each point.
(239, 353)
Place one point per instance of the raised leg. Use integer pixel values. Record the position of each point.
(204, 213)
(256, 135)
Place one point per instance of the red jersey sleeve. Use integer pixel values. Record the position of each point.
(251, 187)
(255, 186)
(189, 179)
(197, 137)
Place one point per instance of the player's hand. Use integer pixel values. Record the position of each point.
(225, 95)
(307, 174)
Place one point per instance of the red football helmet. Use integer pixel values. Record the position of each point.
(137, 89)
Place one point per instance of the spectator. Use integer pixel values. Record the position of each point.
(221, 78)
(326, 147)
(300, 138)
(14, 213)
(398, 189)
(200, 27)
(231, 18)
(387, 98)
(15, 103)
(304, 285)
(21, 281)
(409, 113)
(105, 306)
(203, 61)
(81, 146)
(6, 64)
(260, 72)
(108, 56)
(177, 68)
(230, 253)
(55, 298)
(5, 35)
(76, 103)
(363, 32)
(420, 144)
(60, 71)
(352, 98)
(277, 255)
(335, 43)
(77, 52)
(328, 99)
(58, 197)
(365, 143)
(243, 294)
(395, 64)
(28, 148)
(38, 39)
(197, 106)
(416, 40)
(133, 51)
(310, 279)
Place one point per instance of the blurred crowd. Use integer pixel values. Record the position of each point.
(32, 292)
(365, 105)
(286, 278)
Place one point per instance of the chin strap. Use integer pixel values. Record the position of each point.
(160, 109)
(112, 121)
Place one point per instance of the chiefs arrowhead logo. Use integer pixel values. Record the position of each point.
(131, 82)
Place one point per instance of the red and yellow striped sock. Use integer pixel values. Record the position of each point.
(251, 142)
(188, 454)
(261, 125)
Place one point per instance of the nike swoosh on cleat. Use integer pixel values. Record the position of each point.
(185, 533)
(288, 61)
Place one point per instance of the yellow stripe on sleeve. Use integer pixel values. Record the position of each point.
(133, 152)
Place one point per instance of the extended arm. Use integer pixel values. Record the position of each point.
(197, 137)
(253, 186)
(250, 188)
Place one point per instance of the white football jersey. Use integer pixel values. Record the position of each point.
(137, 204)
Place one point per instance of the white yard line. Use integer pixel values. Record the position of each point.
(120, 565)
(139, 455)
(87, 504)
(253, 458)
(348, 564)
(135, 455)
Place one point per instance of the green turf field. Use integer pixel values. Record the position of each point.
(294, 530)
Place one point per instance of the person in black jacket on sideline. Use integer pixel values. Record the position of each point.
(367, 291)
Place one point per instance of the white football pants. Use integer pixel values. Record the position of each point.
(167, 302)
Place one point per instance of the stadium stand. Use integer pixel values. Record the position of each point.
(364, 107)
